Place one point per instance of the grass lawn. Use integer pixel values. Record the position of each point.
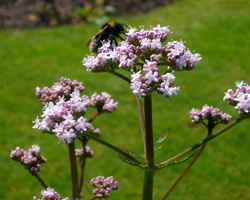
(217, 29)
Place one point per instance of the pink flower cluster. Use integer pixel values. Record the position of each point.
(88, 153)
(142, 53)
(208, 112)
(180, 58)
(65, 116)
(60, 118)
(103, 186)
(31, 159)
(63, 88)
(240, 98)
(50, 194)
(103, 102)
(150, 80)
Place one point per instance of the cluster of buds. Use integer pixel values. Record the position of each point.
(88, 153)
(31, 159)
(65, 116)
(209, 113)
(103, 103)
(240, 98)
(103, 186)
(145, 49)
(50, 194)
(63, 88)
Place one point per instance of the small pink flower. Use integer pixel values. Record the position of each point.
(208, 113)
(31, 159)
(103, 186)
(240, 99)
(50, 194)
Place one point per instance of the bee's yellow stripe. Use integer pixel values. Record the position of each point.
(111, 24)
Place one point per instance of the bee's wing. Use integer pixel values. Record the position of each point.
(89, 42)
(96, 36)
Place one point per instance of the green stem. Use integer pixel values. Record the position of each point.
(148, 137)
(207, 139)
(148, 182)
(73, 169)
(142, 121)
(120, 76)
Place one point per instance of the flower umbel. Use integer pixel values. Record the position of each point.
(64, 113)
(50, 194)
(103, 103)
(209, 113)
(142, 54)
(31, 159)
(240, 98)
(63, 88)
(103, 186)
(88, 153)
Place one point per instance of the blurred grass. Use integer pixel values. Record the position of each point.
(217, 29)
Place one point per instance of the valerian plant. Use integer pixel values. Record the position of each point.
(150, 65)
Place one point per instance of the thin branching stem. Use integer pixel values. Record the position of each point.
(121, 152)
(93, 117)
(207, 139)
(188, 167)
(93, 198)
(120, 76)
(40, 179)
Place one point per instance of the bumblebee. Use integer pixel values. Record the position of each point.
(110, 31)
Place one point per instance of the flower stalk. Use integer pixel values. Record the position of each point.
(73, 170)
(82, 164)
(40, 180)
(142, 121)
(148, 137)
(148, 182)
